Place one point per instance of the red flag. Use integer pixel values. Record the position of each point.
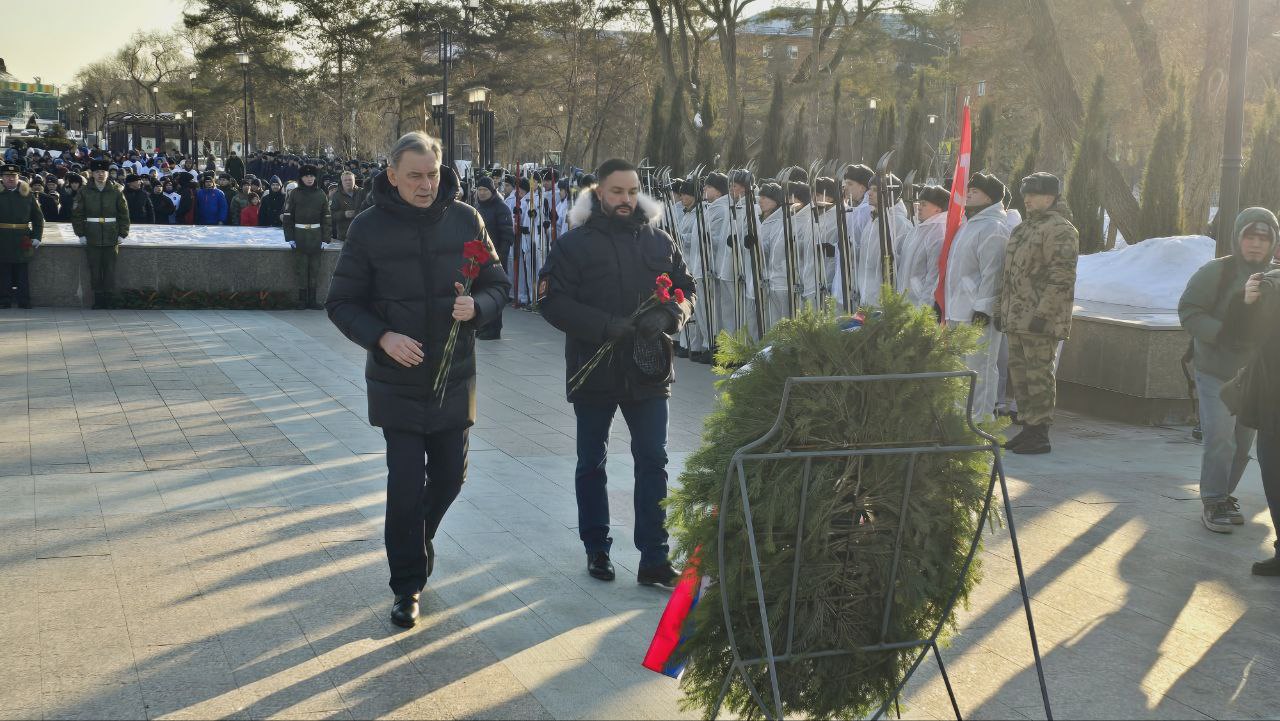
(955, 213)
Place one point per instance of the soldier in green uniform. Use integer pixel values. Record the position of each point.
(21, 225)
(101, 220)
(1036, 299)
(306, 228)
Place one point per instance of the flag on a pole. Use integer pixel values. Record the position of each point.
(669, 634)
(955, 212)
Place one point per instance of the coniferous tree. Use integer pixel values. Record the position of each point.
(673, 141)
(833, 136)
(653, 142)
(1027, 168)
(982, 133)
(736, 154)
(1161, 183)
(705, 152)
(886, 134)
(770, 156)
(798, 143)
(1084, 191)
(913, 142)
(1260, 185)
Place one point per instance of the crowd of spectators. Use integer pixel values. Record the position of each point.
(168, 187)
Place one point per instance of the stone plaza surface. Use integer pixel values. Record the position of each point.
(190, 527)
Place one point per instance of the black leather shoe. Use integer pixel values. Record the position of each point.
(599, 566)
(431, 558)
(681, 351)
(404, 612)
(661, 574)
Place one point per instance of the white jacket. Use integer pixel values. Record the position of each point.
(775, 253)
(916, 275)
(974, 265)
(716, 215)
(690, 241)
(803, 230)
(868, 270)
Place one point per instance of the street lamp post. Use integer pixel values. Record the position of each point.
(862, 137)
(479, 101)
(243, 58)
(192, 147)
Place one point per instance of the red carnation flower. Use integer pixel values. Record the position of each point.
(663, 281)
(663, 295)
(470, 271)
(679, 295)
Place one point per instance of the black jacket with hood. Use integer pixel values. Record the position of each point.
(396, 273)
(602, 269)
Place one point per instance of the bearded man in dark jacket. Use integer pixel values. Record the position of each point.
(497, 220)
(594, 280)
(397, 292)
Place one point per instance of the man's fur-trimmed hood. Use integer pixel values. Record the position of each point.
(23, 188)
(585, 204)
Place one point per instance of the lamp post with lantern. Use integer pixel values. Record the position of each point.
(243, 59)
(481, 121)
(862, 136)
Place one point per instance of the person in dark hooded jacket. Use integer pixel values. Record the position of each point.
(1217, 358)
(396, 292)
(141, 212)
(595, 278)
(272, 205)
(497, 220)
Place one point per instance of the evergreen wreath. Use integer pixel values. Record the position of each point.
(852, 514)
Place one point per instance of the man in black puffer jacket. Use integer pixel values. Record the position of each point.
(396, 292)
(596, 277)
(497, 220)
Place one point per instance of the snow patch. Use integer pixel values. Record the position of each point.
(1150, 274)
(198, 235)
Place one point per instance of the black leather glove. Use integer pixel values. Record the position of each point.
(533, 213)
(829, 250)
(751, 241)
(655, 321)
(980, 319)
(618, 328)
(1038, 325)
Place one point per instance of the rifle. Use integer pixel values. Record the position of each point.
(706, 256)
(517, 253)
(752, 242)
(735, 259)
(789, 242)
(819, 274)
(884, 202)
(846, 257)
(909, 195)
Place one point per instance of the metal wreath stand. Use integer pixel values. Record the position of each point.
(925, 645)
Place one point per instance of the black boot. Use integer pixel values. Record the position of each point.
(404, 612)
(1269, 567)
(681, 351)
(1036, 443)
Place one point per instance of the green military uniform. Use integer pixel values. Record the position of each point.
(1036, 300)
(21, 226)
(344, 208)
(101, 217)
(307, 224)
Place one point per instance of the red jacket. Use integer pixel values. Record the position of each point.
(249, 216)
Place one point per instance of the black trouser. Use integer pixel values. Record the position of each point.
(493, 329)
(102, 269)
(1268, 450)
(307, 268)
(424, 475)
(14, 275)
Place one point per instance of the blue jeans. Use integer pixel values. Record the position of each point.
(647, 421)
(1226, 443)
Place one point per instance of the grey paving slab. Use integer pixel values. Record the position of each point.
(201, 492)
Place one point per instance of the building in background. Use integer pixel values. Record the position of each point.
(20, 101)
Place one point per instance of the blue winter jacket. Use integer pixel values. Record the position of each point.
(211, 207)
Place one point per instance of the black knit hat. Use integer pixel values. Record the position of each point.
(1041, 183)
(826, 186)
(773, 192)
(936, 195)
(719, 181)
(990, 185)
(860, 174)
(131, 178)
(485, 182)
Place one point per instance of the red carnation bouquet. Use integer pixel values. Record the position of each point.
(662, 293)
(474, 255)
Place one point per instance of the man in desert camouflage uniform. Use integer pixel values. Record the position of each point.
(1036, 299)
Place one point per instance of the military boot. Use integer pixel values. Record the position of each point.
(1036, 441)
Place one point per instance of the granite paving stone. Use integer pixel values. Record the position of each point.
(191, 509)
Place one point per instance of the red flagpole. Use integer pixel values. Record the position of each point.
(955, 212)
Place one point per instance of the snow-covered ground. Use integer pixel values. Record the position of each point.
(202, 235)
(1150, 274)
